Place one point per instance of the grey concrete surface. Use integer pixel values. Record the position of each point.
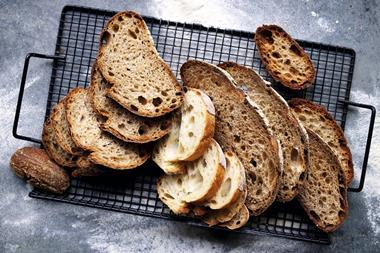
(31, 225)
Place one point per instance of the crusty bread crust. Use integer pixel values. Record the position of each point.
(338, 141)
(285, 60)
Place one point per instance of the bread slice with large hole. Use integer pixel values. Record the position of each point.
(121, 122)
(197, 125)
(241, 127)
(106, 150)
(284, 58)
(240, 219)
(141, 81)
(319, 120)
(324, 195)
(200, 183)
(284, 124)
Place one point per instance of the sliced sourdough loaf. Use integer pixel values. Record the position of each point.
(284, 124)
(324, 195)
(53, 149)
(241, 127)
(319, 120)
(121, 122)
(106, 150)
(239, 220)
(284, 58)
(197, 125)
(61, 128)
(141, 81)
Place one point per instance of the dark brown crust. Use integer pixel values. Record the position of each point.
(331, 155)
(167, 70)
(259, 40)
(349, 167)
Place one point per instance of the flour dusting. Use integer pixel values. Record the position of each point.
(325, 25)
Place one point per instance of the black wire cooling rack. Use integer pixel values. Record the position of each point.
(135, 192)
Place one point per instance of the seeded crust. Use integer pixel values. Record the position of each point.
(284, 124)
(284, 58)
(106, 150)
(324, 195)
(121, 122)
(241, 127)
(141, 81)
(319, 120)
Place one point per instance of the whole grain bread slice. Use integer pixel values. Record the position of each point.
(284, 58)
(141, 81)
(285, 126)
(324, 195)
(319, 120)
(241, 127)
(106, 150)
(121, 122)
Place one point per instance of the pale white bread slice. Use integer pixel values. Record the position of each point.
(121, 122)
(239, 220)
(201, 181)
(241, 127)
(284, 124)
(165, 150)
(197, 125)
(233, 183)
(106, 150)
(53, 149)
(324, 195)
(318, 119)
(61, 128)
(141, 81)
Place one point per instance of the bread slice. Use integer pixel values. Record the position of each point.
(120, 122)
(284, 124)
(324, 195)
(284, 58)
(197, 125)
(86, 168)
(241, 127)
(319, 120)
(61, 128)
(233, 183)
(165, 151)
(105, 150)
(141, 81)
(53, 149)
(239, 220)
(201, 181)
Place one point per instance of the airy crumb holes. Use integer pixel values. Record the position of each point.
(142, 100)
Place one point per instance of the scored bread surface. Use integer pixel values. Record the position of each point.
(140, 79)
(284, 58)
(105, 149)
(241, 127)
(284, 124)
(324, 195)
(318, 119)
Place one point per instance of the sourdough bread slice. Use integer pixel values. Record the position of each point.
(319, 120)
(284, 58)
(61, 128)
(120, 122)
(141, 81)
(241, 127)
(53, 149)
(284, 124)
(197, 125)
(86, 168)
(324, 195)
(239, 220)
(106, 150)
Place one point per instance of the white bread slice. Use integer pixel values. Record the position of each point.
(120, 122)
(141, 81)
(319, 120)
(197, 125)
(233, 183)
(241, 127)
(239, 220)
(106, 150)
(284, 124)
(324, 195)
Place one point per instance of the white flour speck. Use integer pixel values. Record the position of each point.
(314, 14)
(325, 25)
